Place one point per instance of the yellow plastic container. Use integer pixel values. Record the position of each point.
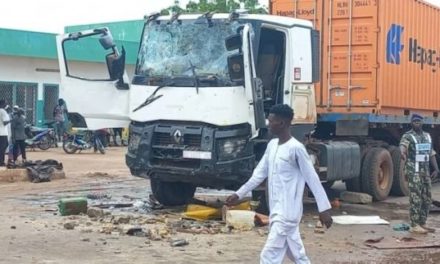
(202, 212)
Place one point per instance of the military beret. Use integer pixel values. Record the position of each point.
(415, 117)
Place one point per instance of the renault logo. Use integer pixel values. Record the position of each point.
(177, 135)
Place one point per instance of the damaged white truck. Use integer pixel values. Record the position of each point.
(197, 104)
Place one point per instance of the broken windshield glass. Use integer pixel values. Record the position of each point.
(166, 50)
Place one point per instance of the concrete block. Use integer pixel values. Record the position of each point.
(13, 175)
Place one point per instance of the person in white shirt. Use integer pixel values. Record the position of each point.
(4, 121)
(287, 167)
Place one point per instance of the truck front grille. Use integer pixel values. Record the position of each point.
(168, 152)
(166, 163)
(165, 139)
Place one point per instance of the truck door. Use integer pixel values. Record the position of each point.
(253, 85)
(94, 84)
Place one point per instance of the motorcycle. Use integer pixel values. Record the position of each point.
(78, 142)
(43, 138)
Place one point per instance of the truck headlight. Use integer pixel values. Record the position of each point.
(231, 148)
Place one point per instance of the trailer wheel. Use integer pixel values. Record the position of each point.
(172, 193)
(400, 181)
(377, 173)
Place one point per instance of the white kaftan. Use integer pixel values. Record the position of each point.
(288, 168)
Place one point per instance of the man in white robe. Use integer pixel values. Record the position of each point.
(287, 167)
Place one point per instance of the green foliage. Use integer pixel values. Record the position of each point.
(217, 6)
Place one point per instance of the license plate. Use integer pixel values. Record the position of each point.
(190, 154)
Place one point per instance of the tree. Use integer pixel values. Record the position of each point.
(217, 6)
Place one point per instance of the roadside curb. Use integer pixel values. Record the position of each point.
(21, 175)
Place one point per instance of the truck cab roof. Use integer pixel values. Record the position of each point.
(271, 19)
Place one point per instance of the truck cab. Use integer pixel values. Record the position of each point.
(197, 104)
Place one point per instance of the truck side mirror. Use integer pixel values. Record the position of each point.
(111, 60)
(233, 42)
(116, 68)
(106, 41)
(236, 67)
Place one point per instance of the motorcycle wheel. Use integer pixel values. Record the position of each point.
(44, 143)
(69, 147)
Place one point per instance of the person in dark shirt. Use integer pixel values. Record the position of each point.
(18, 135)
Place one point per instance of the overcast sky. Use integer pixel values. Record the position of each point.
(53, 15)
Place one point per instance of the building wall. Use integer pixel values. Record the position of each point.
(33, 83)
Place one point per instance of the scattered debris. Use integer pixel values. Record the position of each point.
(114, 205)
(356, 198)
(121, 219)
(359, 220)
(13, 227)
(261, 219)
(179, 243)
(136, 231)
(69, 225)
(204, 212)
(85, 239)
(97, 174)
(98, 196)
(43, 170)
(406, 243)
(240, 219)
(72, 206)
(373, 240)
(319, 231)
(95, 212)
(262, 232)
(406, 239)
(401, 227)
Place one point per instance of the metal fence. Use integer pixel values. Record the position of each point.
(51, 93)
(23, 95)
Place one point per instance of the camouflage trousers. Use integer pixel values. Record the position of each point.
(419, 197)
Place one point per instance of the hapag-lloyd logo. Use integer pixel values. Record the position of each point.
(299, 12)
(417, 52)
(394, 44)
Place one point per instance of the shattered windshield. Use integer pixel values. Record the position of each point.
(185, 51)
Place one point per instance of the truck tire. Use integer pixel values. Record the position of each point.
(172, 193)
(377, 173)
(400, 181)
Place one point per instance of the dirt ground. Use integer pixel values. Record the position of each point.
(32, 230)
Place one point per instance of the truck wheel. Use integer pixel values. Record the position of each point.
(377, 173)
(172, 193)
(400, 181)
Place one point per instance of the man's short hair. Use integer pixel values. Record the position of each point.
(282, 110)
(2, 103)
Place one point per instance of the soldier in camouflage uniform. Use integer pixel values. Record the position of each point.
(417, 152)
